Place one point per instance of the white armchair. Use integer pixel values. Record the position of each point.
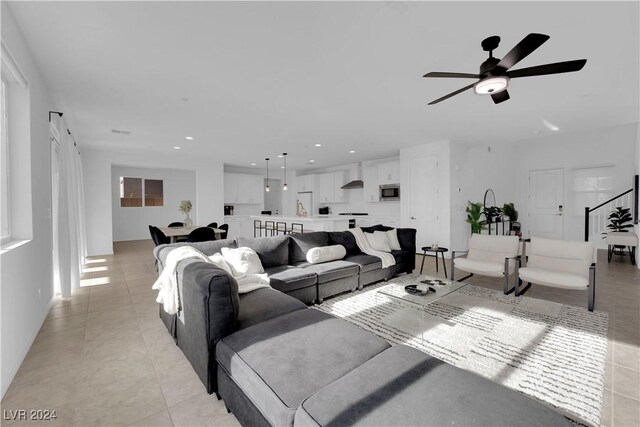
(560, 264)
(492, 256)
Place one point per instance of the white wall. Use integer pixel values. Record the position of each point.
(505, 169)
(26, 288)
(132, 223)
(208, 203)
(611, 146)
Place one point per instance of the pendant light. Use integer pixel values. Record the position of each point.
(267, 189)
(284, 186)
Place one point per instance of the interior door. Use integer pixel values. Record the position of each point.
(423, 198)
(546, 202)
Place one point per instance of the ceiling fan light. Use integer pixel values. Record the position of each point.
(491, 85)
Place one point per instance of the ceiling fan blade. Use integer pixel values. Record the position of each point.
(451, 94)
(454, 75)
(500, 96)
(521, 51)
(555, 68)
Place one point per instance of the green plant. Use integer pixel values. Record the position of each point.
(185, 206)
(620, 220)
(492, 213)
(509, 210)
(474, 213)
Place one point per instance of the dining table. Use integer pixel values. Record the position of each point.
(174, 233)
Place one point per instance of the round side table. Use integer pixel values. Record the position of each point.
(439, 250)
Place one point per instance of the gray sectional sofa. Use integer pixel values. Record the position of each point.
(275, 361)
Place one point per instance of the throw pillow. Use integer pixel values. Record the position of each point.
(218, 260)
(326, 253)
(394, 243)
(378, 241)
(242, 260)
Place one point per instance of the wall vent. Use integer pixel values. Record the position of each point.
(121, 132)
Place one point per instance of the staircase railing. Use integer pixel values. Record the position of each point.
(627, 198)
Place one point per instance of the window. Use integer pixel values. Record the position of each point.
(133, 189)
(592, 186)
(4, 158)
(153, 192)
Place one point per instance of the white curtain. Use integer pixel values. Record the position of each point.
(69, 237)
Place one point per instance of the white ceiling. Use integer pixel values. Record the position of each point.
(262, 78)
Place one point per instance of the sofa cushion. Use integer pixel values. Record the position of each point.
(281, 362)
(330, 271)
(366, 262)
(301, 243)
(325, 254)
(557, 279)
(287, 278)
(403, 386)
(272, 251)
(346, 239)
(379, 241)
(484, 268)
(264, 304)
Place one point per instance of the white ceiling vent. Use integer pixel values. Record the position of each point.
(121, 132)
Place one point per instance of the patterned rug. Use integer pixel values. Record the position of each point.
(553, 352)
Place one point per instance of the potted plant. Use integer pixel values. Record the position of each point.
(619, 220)
(474, 214)
(510, 211)
(185, 208)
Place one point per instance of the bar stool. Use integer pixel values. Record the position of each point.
(281, 227)
(269, 226)
(257, 228)
(296, 227)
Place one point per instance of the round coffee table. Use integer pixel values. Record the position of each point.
(438, 250)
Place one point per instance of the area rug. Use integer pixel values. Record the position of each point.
(553, 352)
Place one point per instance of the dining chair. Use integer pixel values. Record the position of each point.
(201, 234)
(176, 224)
(224, 227)
(158, 236)
(213, 225)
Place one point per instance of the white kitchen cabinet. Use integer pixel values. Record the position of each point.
(306, 182)
(329, 190)
(371, 186)
(339, 195)
(389, 173)
(325, 188)
(243, 189)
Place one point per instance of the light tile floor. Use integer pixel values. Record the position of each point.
(103, 357)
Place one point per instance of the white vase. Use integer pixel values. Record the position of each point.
(188, 223)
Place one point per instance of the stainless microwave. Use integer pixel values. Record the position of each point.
(389, 192)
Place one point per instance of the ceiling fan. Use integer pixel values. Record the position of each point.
(495, 73)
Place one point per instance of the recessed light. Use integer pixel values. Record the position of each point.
(352, 151)
(312, 161)
(176, 148)
(317, 145)
(188, 138)
(281, 167)
(280, 155)
(253, 164)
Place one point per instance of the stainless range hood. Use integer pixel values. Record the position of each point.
(356, 183)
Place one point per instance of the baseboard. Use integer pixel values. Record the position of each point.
(25, 351)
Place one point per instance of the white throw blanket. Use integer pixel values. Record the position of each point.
(167, 283)
(387, 259)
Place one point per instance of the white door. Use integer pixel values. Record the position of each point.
(546, 201)
(423, 199)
